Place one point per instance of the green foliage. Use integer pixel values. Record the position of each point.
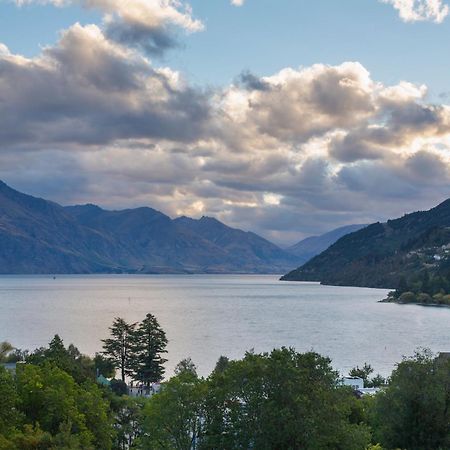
(148, 344)
(423, 288)
(222, 364)
(173, 419)
(5, 349)
(280, 400)
(383, 254)
(365, 373)
(70, 360)
(50, 397)
(104, 366)
(9, 415)
(118, 348)
(413, 412)
(186, 366)
(119, 387)
(127, 413)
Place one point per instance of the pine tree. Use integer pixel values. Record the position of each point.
(117, 349)
(149, 343)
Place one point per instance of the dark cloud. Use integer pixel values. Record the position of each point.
(89, 91)
(297, 153)
(153, 41)
(253, 83)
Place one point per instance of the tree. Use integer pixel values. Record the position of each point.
(363, 373)
(174, 418)
(5, 349)
(117, 349)
(148, 344)
(280, 400)
(9, 416)
(103, 366)
(127, 413)
(70, 360)
(75, 415)
(186, 366)
(221, 364)
(413, 411)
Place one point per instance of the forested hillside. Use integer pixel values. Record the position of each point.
(383, 253)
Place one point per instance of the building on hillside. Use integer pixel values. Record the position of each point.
(103, 381)
(144, 391)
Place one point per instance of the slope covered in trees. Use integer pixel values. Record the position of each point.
(383, 253)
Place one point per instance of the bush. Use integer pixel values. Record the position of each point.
(119, 387)
(408, 297)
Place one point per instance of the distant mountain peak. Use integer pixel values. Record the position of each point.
(39, 236)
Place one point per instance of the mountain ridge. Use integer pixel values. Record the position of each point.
(38, 236)
(380, 254)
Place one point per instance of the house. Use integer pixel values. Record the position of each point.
(103, 380)
(144, 391)
(353, 382)
(368, 391)
(358, 386)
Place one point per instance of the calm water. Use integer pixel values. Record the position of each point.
(208, 316)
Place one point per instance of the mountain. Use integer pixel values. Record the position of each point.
(380, 254)
(312, 246)
(39, 236)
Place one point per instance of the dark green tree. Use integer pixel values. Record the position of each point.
(283, 400)
(5, 349)
(186, 366)
(221, 364)
(174, 419)
(9, 415)
(74, 414)
(149, 344)
(70, 360)
(413, 412)
(103, 366)
(118, 348)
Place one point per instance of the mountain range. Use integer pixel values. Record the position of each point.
(313, 245)
(381, 254)
(38, 236)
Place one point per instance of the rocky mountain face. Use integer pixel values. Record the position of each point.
(38, 236)
(381, 254)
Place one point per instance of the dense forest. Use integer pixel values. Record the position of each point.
(423, 288)
(55, 398)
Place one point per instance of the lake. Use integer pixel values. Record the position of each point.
(206, 316)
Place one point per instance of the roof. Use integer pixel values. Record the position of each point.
(103, 381)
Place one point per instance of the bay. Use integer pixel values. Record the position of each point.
(206, 316)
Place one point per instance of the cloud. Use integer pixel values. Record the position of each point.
(420, 10)
(149, 25)
(89, 90)
(237, 2)
(295, 153)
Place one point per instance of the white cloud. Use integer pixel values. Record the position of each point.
(420, 10)
(146, 24)
(297, 152)
(237, 2)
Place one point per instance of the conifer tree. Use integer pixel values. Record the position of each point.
(117, 349)
(149, 343)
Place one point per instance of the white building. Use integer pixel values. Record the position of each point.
(354, 382)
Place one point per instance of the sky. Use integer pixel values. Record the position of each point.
(285, 117)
